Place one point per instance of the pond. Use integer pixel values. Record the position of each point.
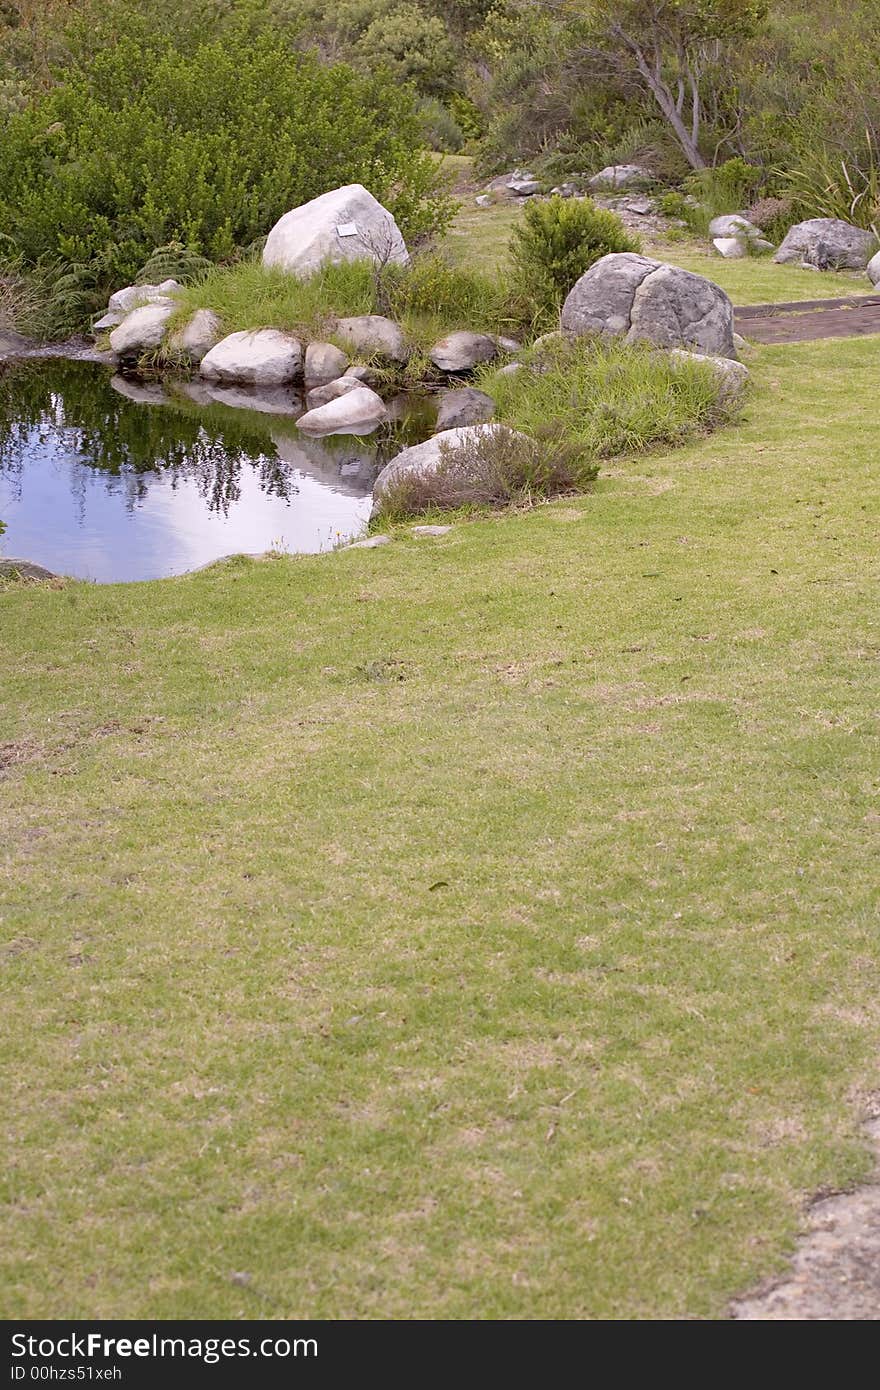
(111, 478)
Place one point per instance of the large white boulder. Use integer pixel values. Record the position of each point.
(647, 300)
(346, 224)
(827, 243)
(142, 330)
(874, 269)
(356, 412)
(258, 357)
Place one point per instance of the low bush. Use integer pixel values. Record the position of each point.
(496, 468)
(558, 240)
(609, 397)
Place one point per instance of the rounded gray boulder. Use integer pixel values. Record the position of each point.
(645, 300)
(827, 243)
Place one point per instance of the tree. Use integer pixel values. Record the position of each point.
(667, 48)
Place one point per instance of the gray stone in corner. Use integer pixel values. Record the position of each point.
(466, 406)
(874, 269)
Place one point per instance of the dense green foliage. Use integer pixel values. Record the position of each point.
(557, 241)
(208, 148)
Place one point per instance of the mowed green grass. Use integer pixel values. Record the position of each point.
(480, 236)
(481, 927)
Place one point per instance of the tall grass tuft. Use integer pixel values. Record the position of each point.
(609, 397)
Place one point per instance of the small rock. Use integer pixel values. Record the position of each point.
(356, 412)
(370, 544)
(373, 335)
(195, 340)
(731, 224)
(142, 330)
(524, 188)
(134, 296)
(323, 395)
(621, 176)
(430, 530)
(483, 200)
(324, 362)
(507, 344)
(732, 376)
(460, 352)
(369, 375)
(511, 369)
(466, 406)
(730, 247)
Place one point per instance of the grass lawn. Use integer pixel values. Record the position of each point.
(474, 927)
(479, 236)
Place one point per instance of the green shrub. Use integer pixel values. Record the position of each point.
(609, 397)
(207, 148)
(558, 240)
(439, 127)
(496, 468)
(827, 185)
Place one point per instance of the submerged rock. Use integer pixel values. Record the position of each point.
(259, 357)
(346, 224)
(356, 412)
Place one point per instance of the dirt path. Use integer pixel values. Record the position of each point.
(835, 1275)
(810, 319)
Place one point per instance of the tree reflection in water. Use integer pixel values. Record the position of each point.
(70, 409)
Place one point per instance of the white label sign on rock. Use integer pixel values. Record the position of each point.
(347, 229)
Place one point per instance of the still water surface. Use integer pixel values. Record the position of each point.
(107, 478)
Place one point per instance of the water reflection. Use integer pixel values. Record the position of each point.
(106, 477)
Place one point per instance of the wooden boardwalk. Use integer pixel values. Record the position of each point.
(802, 322)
